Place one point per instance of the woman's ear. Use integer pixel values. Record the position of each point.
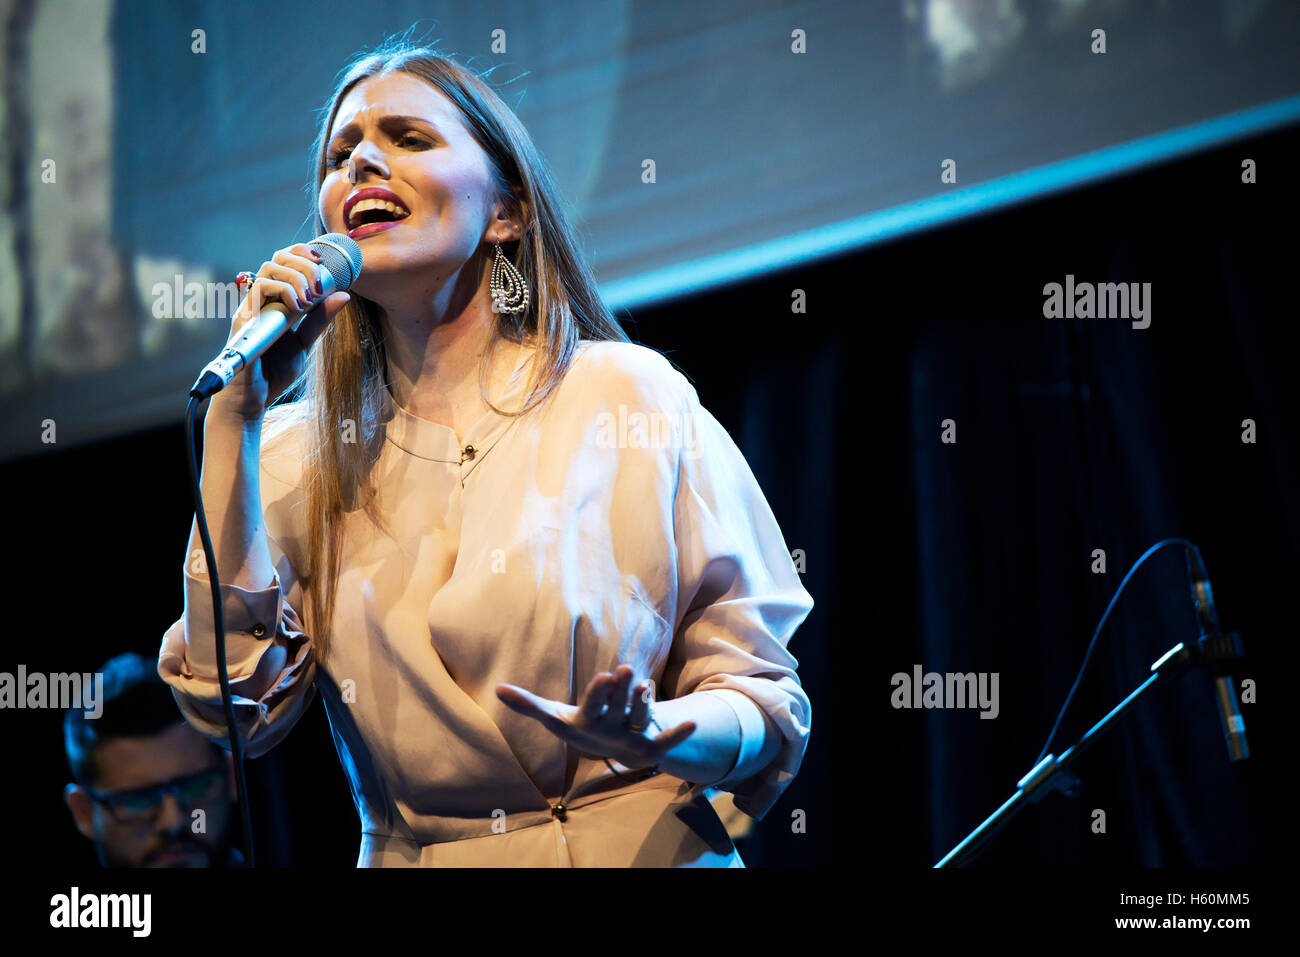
(512, 212)
(521, 218)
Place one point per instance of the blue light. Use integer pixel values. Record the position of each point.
(885, 224)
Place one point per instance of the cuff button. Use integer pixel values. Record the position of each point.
(259, 631)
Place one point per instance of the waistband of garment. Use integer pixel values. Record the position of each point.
(442, 830)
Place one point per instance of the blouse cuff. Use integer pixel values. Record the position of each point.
(251, 619)
(269, 663)
(753, 731)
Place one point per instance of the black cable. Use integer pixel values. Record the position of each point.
(218, 620)
(1084, 667)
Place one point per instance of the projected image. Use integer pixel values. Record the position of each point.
(68, 304)
(77, 300)
(148, 183)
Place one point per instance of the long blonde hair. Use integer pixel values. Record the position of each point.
(344, 380)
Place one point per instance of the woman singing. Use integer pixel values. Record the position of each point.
(535, 583)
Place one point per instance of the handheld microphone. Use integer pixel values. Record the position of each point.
(340, 267)
(1218, 650)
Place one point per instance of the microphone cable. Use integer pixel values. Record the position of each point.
(1096, 634)
(218, 621)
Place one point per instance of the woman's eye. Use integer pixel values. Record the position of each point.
(339, 155)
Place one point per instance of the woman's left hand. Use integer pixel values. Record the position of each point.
(600, 724)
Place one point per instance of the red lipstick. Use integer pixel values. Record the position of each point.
(369, 229)
(372, 192)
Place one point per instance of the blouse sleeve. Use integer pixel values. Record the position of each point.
(739, 602)
(268, 656)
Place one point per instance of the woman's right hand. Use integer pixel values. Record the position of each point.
(291, 277)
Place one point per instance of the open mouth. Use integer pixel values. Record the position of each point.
(373, 207)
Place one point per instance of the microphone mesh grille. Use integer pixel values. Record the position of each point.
(341, 256)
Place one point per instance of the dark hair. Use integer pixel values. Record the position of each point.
(135, 702)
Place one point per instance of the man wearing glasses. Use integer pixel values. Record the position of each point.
(149, 790)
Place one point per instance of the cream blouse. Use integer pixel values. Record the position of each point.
(616, 524)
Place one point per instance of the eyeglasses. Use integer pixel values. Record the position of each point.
(142, 805)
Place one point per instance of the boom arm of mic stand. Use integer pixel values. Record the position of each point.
(1053, 773)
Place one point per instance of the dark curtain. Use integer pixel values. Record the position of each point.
(1082, 434)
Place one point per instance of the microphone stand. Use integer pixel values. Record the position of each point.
(1054, 774)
